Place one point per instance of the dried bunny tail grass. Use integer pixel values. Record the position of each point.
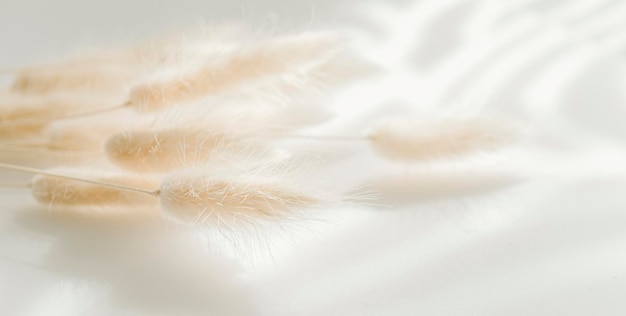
(190, 196)
(103, 70)
(55, 191)
(197, 198)
(231, 70)
(166, 150)
(227, 134)
(107, 71)
(208, 79)
(73, 187)
(102, 73)
(411, 140)
(98, 74)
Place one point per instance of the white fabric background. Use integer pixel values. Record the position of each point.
(550, 242)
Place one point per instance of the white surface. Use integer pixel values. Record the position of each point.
(553, 244)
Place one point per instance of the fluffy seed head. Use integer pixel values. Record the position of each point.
(166, 150)
(227, 133)
(196, 198)
(55, 191)
(98, 71)
(232, 70)
(410, 140)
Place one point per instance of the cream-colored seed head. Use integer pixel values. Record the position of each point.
(223, 135)
(237, 68)
(410, 140)
(55, 191)
(166, 150)
(101, 71)
(194, 198)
